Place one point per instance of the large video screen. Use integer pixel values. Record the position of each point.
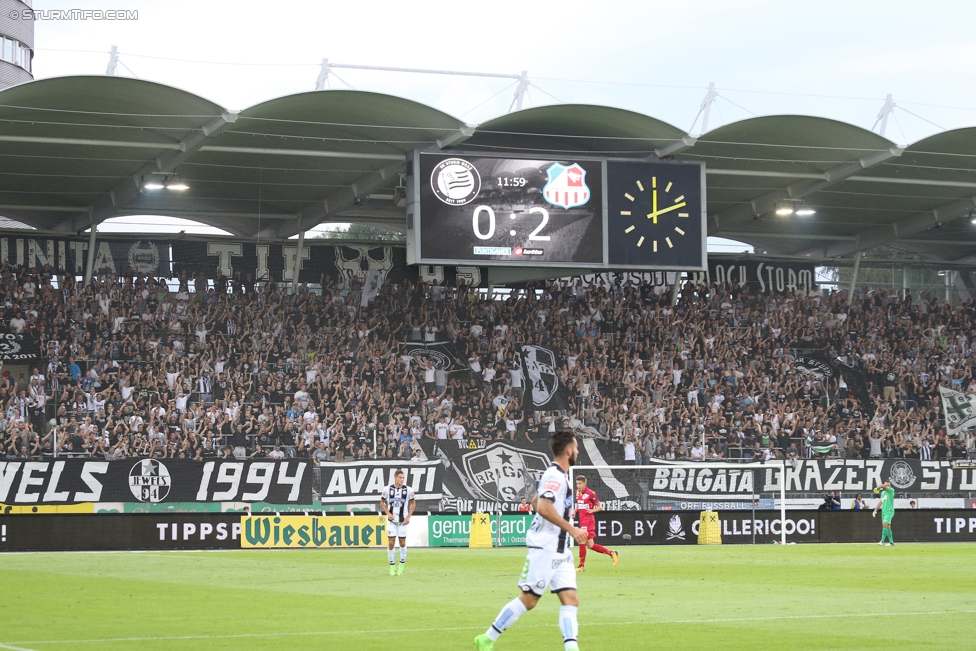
(579, 212)
(511, 210)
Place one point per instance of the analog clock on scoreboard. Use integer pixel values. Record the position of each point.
(655, 215)
(515, 211)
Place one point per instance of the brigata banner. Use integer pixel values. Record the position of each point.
(362, 481)
(153, 481)
(60, 532)
(455, 530)
(489, 476)
(300, 532)
(809, 476)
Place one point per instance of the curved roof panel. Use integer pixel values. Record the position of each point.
(575, 129)
(79, 148)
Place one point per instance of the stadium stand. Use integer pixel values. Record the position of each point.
(243, 368)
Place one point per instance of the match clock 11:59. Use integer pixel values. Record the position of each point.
(655, 217)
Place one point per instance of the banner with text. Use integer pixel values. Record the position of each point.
(763, 276)
(681, 527)
(335, 260)
(18, 348)
(300, 531)
(70, 254)
(362, 481)
(153, 481)
(808, 476)
(455, 530)
(61, 532)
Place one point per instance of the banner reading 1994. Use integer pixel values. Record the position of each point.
(73, 481)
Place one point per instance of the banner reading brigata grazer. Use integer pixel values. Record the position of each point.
(72, 481)
(808, 476)
(357, 482)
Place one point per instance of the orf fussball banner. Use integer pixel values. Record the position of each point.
(72, 481)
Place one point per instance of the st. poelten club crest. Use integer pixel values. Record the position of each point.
(566, 186)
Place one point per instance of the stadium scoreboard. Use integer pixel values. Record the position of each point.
(586, 212)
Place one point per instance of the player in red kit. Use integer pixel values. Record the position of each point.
(587, 503)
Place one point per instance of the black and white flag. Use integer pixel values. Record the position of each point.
(18, 348)
(959, 409)
(817, 364)
(544, 390)
(859, 386)
(442, 354)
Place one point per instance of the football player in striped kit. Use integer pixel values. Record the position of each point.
(549, 562)
(398, 503)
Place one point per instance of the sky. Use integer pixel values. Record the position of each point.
(830, 58)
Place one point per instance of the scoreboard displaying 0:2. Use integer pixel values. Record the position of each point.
(581, 212)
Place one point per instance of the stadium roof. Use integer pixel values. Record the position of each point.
(77, 150)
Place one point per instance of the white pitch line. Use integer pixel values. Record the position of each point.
(14, 648)
(475, 628)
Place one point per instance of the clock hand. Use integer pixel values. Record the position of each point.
(658, 213)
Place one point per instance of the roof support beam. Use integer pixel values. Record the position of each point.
(88, 142)
(128, 189)
(314, 153)
(903, 228)
(321, 211)
(764, 203)
(456, 138)
(684, 143)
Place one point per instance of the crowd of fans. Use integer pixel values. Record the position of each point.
(131, 368)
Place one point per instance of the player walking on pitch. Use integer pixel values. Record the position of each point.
(549, 562)
(887, 506)
(587, 503)
(398, 503)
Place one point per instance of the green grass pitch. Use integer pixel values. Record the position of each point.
(910, 596)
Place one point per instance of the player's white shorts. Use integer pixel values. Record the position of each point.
(546, 568)
(396, 529)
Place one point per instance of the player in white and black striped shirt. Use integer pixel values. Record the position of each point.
(398, 503)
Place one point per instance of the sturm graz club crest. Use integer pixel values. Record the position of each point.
(901, 475)
(501, 471)
(455, 181)
(144, 258)
(149, 481)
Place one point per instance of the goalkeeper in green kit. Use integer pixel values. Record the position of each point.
(887, 506)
